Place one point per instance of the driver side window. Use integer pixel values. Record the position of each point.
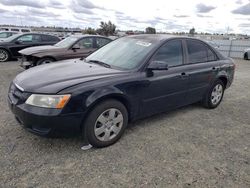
(170, 53)
(25, 38)
(85, 43)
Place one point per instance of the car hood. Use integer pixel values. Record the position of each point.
(38, 49)
(3, 42)
(55, 77)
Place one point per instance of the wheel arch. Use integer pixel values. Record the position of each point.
(246, 55)
(8, 50)
(224, 79)
(47, 56)
(115, 96)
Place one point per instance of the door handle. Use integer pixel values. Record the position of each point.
(184, 75)
(215, 68)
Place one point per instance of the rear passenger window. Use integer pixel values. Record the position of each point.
(211, 56)
(48, 38)
(170, 53)
(100, 42)
(199, 52)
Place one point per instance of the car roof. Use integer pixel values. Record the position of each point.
(8, 32)
(82, 36)
(158, 37)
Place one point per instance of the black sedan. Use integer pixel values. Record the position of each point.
(9, 47)
(130, 78)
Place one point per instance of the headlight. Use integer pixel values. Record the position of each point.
(48, 101)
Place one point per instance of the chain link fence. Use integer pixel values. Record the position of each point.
(233, 48)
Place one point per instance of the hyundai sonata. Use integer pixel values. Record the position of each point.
(127, 79)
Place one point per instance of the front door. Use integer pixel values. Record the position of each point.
(25, 41)
(83, 48)
(166, 89)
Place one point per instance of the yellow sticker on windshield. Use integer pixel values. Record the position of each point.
(146, 44)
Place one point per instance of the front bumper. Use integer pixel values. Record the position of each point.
(26, 61)
(46, 122)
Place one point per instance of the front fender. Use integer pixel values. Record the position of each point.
(102, 92)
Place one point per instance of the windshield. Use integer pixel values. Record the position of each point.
(4, 35)
(125, 53)
(13, 37)
(66, 43)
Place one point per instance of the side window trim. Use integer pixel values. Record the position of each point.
(183, 56)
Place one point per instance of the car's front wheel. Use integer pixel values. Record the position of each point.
(215, 94)
(45, 61)
(106, 123)
(4, 55)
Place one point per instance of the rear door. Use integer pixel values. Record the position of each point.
(203, 68)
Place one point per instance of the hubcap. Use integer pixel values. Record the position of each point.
(108, 124)
(216, 94)
(45, 62)
(3, 55)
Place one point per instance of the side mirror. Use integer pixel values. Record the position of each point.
(75, 47)
(158, 65)
(17, 42)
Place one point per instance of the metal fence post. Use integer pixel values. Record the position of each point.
(230, 48)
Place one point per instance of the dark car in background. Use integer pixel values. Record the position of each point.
(72, 47)
(129, 78)
(9, 48)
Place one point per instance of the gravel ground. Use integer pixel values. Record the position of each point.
(189, 147)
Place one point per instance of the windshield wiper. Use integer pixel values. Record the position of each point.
(100, 63)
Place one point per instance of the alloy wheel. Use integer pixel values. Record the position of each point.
(3, 55)
(217, 94)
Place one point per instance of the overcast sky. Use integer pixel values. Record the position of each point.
(165, 15)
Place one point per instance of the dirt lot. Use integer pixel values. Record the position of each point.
(189, 147)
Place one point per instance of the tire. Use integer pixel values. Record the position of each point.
(45, 60)
(4, 55)
(246, 56)
(214, 95)
(106, 123)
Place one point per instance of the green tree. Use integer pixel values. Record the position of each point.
(90, 31)
(106, 28)
(150, 30)
(192, 31)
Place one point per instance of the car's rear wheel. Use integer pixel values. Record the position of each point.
(45, 60)
(4, 55)
(106, 123)
(215, 95)
(246, 56)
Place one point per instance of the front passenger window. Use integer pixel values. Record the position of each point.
(170, 53)
(85, 43)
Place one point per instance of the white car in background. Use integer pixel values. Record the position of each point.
(246, 54)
